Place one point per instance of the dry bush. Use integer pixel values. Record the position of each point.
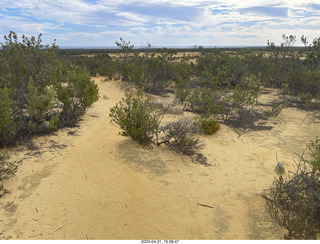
(294, 201)
(7, 169)
(274, 110)
(180, 136)
(136, 120)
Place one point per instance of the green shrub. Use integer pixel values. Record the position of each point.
(314, 152)
(109, 67)
(245, 96)
(7, 126)
(39, 104)
(133, 115)
(135, 73)
(76, 96)
(206, 102)
(208, 126)
(33, 82)
(182, 89)
(306, 99)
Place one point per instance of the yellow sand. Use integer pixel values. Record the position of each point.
(96, 184)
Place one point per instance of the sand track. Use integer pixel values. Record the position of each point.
(91, 183)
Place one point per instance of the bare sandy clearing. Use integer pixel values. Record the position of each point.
(90, 183)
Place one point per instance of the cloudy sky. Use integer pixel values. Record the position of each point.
(161, 22)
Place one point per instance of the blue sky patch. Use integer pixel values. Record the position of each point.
(269, 11)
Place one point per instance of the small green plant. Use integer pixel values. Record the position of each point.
(208, 126)
(314, 152)
(134, 116)
(306, 99)
(54, 121)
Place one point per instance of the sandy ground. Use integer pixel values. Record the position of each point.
(91, 183)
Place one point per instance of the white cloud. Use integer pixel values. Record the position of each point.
(20, 24)
(208, 23)
(135, 18)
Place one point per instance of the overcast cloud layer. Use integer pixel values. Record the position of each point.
(160, 22)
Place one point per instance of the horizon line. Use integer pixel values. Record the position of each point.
(157, 47)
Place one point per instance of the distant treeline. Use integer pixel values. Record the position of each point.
(88, 51)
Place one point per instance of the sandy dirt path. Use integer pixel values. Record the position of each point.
(91, 183)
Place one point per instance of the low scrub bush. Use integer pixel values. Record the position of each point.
(208, 126)
(34, 82)
(245, 96)
(134, 116)
(182, 89)
(79, 93)
(294, 201)
(180, 136)
(314, 153)
(39, 104)
(206, 102)
(7, 169)
(306, 99)
(136, 120)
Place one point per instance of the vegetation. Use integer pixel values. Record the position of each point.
(7, 169)
(223, 83)
(134, 116)
(37, 88)
(224, 86)
(76, 95)
(136, 120)
(293, 202)
(314, 153)
(208, 126)
(43, 85)
(179, 136)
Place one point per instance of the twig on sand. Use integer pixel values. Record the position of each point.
(203, 205)
(40, 234)
(58, 229)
